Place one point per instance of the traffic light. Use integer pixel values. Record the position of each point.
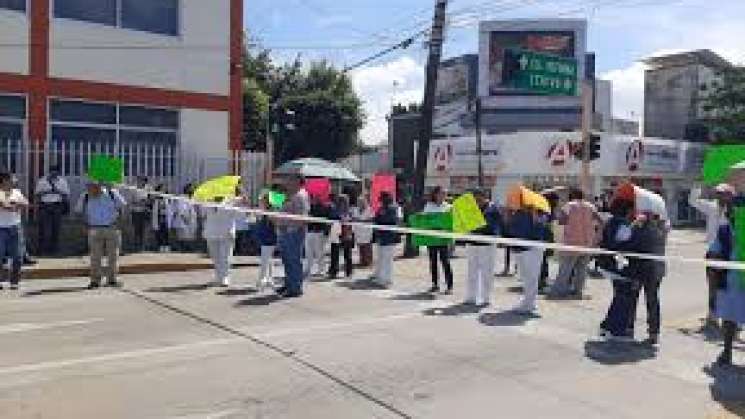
(594, 147)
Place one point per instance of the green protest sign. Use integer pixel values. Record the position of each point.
(718, 161)
(431, 221)
(106, 169)
(276, 199)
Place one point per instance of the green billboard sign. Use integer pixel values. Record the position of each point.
(540, 73)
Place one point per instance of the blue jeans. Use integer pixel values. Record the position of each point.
(291, 250)
(9, 249)
(618, 320)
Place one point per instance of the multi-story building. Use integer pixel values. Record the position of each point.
(126, 73)
(672, 93)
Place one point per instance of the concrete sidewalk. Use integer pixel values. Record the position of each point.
(136, 263)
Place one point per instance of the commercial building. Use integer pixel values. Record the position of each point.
(544, 159)
(123, 74)
(672, 93)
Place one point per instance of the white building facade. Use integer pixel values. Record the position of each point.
(544, 159)
(123, 74)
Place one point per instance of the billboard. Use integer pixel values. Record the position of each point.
(452, 83)
(559, 43)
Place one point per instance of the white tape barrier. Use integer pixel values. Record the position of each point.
(512, 242)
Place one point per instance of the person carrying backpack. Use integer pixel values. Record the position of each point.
(100, 206)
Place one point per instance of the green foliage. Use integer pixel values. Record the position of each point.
(725, 101)
(325, 113)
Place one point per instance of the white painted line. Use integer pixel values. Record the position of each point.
(214, 415)
(30, 327)
(118, 356)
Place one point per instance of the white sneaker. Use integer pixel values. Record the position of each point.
(225, 282)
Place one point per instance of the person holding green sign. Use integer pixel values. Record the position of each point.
(437, 204)
(730, 245)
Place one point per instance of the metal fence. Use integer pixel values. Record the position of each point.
(163, 164)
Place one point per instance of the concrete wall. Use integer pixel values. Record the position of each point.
(205, 134)
(603, 105)
(197, 60)
(14, 27)
(669, 97)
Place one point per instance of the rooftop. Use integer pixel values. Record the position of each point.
(702, 56)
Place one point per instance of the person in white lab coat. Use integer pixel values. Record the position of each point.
(184, 220)
(219, 232)
(363, 212)
(715, 211)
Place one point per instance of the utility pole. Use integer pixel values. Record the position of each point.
(269, 163)
(479, 146)
(428, 106)
(587, 113)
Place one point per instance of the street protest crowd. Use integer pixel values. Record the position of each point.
(633, 221)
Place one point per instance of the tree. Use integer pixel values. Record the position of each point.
(256, 111)
(724, 100)
(327, 112)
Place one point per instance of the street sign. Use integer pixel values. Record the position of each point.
(540, 73)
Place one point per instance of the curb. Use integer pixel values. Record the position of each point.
(130, 269)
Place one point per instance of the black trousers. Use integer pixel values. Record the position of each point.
(651, 288)
(443, 253)
(50, 222)
(336, 249)
(161, 236)
(140, 221)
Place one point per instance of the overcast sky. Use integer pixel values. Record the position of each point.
(621, 32)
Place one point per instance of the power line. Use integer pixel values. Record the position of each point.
(401, 45)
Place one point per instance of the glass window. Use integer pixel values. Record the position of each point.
(147, 137)
(86, 134)
(76, 111)
(158, 16)
(10, 131)
(13, 107)
(96, 11)
(19, 5)
(140, 116)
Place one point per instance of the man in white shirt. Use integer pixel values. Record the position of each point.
(12, 202)
(52, 193)
(716, 215)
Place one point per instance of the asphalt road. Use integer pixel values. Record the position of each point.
(165, 346)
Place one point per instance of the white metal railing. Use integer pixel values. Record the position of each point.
(164, 164)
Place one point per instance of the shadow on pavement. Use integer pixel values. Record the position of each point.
(181, 288)
(453, 310)
(360, 285)
(728, 388)
(263, 300)
(506, 318)
(617, 353)
(237, 291)
(51, 291)
(516, 289)
(417, 296)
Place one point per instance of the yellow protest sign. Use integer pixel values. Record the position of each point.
(467, 215)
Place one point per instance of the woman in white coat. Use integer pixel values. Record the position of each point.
(362, 212)
(184, 221)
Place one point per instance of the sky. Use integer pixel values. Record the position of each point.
(620, 32)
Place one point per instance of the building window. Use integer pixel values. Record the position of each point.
(85, 112)
(96, 11)
(155, 16)
(13, 107)
(158, 16)
(18, 5)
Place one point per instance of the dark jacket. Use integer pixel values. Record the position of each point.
(320, 211)
(524, 226)
(265, 233)
(647, 237)
(387, 216)
(494, 224)
(609, 242)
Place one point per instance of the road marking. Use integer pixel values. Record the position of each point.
(30, 327)
(118, 356)
(213, 415)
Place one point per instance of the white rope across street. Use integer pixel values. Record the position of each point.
(720, 264)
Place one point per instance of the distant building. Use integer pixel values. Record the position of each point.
(624, 127)
(672, 93)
